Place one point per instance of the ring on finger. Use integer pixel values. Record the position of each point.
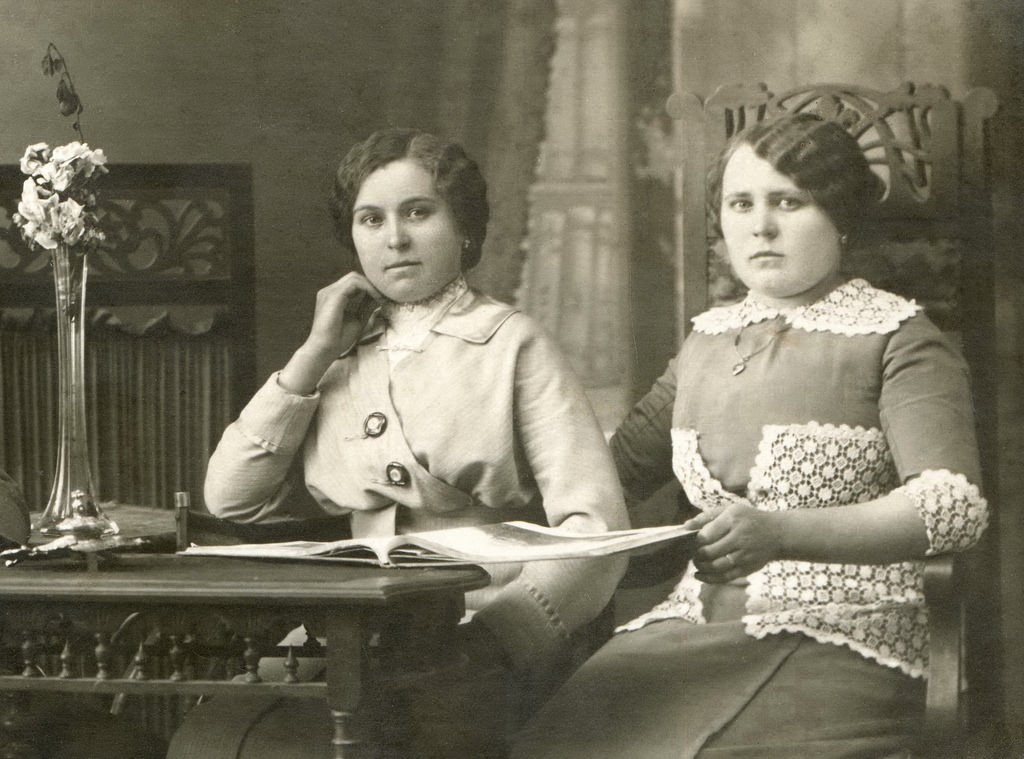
(732, 561)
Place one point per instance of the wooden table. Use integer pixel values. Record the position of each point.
(170, 624)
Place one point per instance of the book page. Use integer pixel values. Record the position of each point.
(524, 541)
(505, 542)
(362, 550)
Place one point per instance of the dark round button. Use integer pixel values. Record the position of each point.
(375, 424)
(397, 474)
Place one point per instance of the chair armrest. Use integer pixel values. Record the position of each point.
(943, 595)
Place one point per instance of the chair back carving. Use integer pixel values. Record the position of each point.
(170, 353)
(931, 237)
(926, 146)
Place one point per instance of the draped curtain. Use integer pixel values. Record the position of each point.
(478, 74)
(515, 130)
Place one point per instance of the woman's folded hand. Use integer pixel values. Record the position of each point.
(735, 540)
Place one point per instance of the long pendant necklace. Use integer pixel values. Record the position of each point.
(740, 365)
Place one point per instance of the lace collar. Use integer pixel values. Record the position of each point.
(412, 321)
(472, 317)
(408, 324)
(853, 308)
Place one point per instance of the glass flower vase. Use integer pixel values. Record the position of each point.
(71, 509)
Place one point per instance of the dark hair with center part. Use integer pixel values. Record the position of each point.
(820, 156)
(457, 179)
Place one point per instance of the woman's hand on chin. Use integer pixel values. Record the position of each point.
(343, 309)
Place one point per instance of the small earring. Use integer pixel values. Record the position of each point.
(843, 240)
(466, 243)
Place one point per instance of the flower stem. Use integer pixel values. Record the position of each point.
(68, 101)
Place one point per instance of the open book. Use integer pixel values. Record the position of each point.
(487, 544)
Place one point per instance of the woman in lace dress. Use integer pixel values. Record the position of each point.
(825, 432)
(416, 403)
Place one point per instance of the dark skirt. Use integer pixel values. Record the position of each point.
(676, 690)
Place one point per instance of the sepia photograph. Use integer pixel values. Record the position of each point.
(738, 282)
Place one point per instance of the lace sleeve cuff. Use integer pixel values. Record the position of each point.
(954, 512)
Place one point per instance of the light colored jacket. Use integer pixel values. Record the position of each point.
(486, 423)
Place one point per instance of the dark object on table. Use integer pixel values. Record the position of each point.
(69, 546)
(204, 529)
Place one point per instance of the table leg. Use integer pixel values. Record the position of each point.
(19, 727)
(345, 684)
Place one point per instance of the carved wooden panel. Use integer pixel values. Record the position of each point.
(175, 235)
(138, 630)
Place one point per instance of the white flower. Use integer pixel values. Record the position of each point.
(36, 214)
(34, 158)
(57, 176)
(70, 221)
(79, 159)
(57, 203)
(96, 161)
(41, 234)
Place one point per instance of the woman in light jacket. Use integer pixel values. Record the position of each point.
(416, 403)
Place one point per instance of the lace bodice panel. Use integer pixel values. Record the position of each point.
(877, 610)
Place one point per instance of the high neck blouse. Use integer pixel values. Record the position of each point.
(409, 324)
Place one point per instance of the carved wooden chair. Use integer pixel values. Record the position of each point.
(170, 343)
(932, 242)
